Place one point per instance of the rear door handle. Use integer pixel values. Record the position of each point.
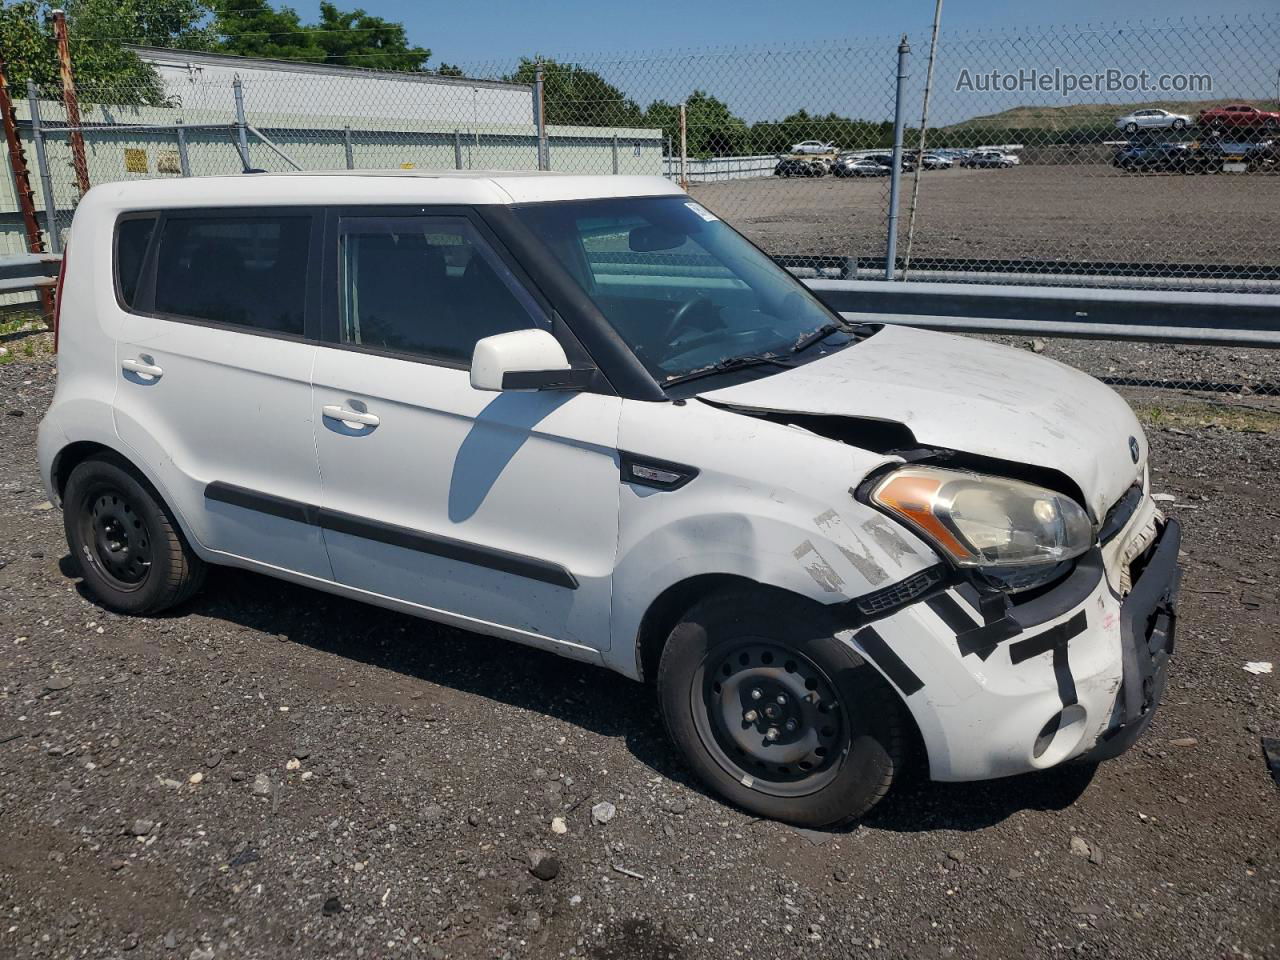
(146, 369)
(335, 412)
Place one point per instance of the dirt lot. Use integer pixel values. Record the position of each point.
(1088, 212)
(271, 772)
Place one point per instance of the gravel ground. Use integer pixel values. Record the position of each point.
(1084, 212)
(271, 772)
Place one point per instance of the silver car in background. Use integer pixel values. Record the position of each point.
(1152, 118)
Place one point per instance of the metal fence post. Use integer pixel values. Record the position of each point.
(615, 154)
(457, 149)
(347, 149)
(684, 150)
(924, 127)
(70, 102)
(22, 180)
(540, 118)
(184, 159)
(242, 125)
(895, 175)
(42, 162)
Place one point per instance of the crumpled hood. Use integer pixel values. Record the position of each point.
(968, 395)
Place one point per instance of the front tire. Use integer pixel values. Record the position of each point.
(125, 541)
(775, 714)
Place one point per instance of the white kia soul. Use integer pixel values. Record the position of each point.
(584, 413)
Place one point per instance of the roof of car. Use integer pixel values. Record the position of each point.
(376, 186)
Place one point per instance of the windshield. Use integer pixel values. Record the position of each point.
(682, 288)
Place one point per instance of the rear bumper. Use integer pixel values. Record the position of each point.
(1148, 623)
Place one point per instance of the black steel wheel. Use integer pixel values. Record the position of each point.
(124, 540)
(775, 713)
(769, 715)
(117, 537)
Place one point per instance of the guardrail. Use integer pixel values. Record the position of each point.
(25, 272)
(1210, 319)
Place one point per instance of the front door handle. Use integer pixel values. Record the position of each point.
(335, 412)
(143, 367)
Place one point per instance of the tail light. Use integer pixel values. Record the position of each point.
(57, 298)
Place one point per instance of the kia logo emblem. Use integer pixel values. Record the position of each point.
(1133, 448)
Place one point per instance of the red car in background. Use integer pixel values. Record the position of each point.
(1239, 115)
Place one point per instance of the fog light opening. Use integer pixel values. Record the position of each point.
(1060, 736)
(1046, 735)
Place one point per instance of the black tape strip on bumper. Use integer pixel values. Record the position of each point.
(970, 637)
(890, 664)
(1055, 639)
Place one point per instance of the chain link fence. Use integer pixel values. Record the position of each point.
(1134, 155)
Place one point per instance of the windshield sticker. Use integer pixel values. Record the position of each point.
(702, 211)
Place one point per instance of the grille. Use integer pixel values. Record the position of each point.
(901, 593)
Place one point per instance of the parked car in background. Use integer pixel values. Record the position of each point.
(936, 161)
(860, 167)
(989, 158)
(886, 160)
(800, 167)
(585, 414)
(813, 146)
(1215, 154)
(1175, 157)
(1239, 115)
(1152, 118)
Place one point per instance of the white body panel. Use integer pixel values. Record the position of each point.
(231, 408)
(533, 474)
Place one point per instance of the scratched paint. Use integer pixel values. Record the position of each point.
(823, 574)
(853, 549)
(888, 538)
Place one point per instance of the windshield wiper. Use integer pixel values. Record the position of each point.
(817, 336)
(729, 364)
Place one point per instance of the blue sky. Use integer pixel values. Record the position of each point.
(841, 57)
(494, 29)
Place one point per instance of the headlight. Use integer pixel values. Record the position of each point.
(1017, 530)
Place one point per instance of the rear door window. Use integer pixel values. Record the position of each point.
(241, 271)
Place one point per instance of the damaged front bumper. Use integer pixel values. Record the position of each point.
(1075, 673)
(1148, 622)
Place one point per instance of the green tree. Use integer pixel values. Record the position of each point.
(97, 30)
(575, 96)
(711, 128)
(354, 38)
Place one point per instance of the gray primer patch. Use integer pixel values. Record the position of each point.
(889, 540)
(856, 552)
(823, 574)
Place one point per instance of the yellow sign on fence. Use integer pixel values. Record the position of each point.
(135, 160)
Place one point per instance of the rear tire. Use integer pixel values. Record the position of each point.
(125, 540)
(840, 730)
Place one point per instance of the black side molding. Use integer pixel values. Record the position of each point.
(531, 568)
(262, 502)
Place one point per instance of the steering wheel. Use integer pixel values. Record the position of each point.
(681, 317)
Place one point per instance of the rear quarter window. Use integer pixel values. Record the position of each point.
(246, 272)
(132, 237)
